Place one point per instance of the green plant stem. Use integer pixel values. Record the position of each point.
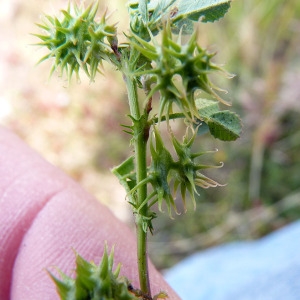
(140, 147)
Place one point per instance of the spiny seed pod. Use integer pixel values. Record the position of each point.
(160, 168)
(184, 172)
(98, 282)
(187, 174)
(78, 41)
(179, 71)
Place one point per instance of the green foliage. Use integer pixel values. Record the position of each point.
(157, 60)
(126, 175)
(98, 282)
(205, 11)
(264, 165)
(223, 125)
(151, 15)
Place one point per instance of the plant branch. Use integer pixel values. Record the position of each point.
(141, 133)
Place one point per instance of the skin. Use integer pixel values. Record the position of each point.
(44, 217)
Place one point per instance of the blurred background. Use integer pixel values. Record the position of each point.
(76, 126)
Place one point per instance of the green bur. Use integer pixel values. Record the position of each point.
(97, 282)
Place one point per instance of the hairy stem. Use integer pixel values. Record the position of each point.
(140, 143)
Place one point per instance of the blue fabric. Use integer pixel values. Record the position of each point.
(267, 269)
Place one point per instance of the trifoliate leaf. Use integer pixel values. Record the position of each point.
(206, 11)
(209, 10)
(225, 125)
(181, 13)
(206, 107)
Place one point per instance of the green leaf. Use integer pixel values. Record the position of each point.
(186, 26)
(125, 174)
(225, 125)
(160, 8)
(181, 12)
(143, 8)
(125, 168)
(208, 11)
(206, 107)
